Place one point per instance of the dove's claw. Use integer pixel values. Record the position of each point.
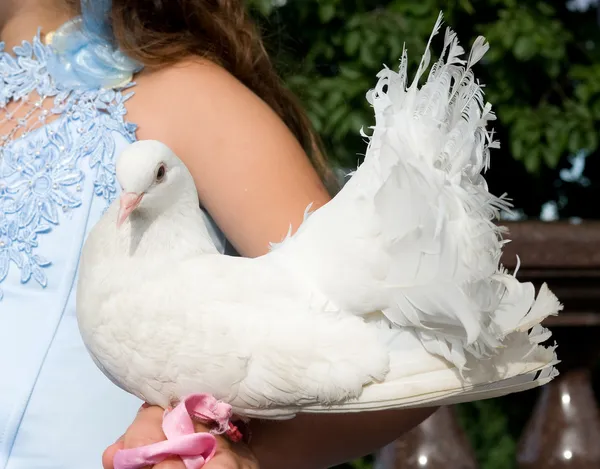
(234, 433)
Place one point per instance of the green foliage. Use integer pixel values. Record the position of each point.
(487, 427)
(541, 74)
(336, 49)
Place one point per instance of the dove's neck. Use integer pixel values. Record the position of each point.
(176, 231)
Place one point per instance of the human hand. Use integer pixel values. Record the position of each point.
(147, 429)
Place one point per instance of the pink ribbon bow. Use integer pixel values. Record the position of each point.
(195, 449)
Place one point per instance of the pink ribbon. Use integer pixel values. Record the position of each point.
(195, 449)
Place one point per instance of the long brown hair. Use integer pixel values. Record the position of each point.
(162, 32)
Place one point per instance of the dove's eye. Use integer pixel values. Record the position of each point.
(160, 173)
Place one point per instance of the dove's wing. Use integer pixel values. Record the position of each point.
(237, 328)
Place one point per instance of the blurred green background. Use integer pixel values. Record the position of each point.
(542, 76)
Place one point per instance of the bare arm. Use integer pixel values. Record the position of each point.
(255, 179)
(320, 441)
(251, 174)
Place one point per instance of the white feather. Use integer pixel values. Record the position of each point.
(391, 295)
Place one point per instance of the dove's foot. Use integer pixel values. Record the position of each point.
(195, 449)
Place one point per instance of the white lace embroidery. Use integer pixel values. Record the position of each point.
(40, 172)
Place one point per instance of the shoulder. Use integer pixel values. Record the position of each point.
(196, 97)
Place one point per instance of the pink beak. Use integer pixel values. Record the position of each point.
(129, 202)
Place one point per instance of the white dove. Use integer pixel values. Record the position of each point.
(391, 295)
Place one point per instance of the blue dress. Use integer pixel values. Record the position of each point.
(57, 410)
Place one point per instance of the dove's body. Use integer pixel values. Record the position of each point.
(228, 343)
(388, 296)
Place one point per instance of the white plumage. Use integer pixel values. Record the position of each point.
(391, 295)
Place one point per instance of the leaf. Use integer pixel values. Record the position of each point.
(532, 161)
(591, 140)
(552, 156)
(15, 256)
(545, 9)
(575, 142)
(25, 272)
(326, 12)
(524, 48)
(349, 72)
(366, 55)
(352, 43)
(335, 117)
(4, 263)
(38, 275)
(265, 7)
(467, 6)
(517, 148)
(48, 210)
(40, 260)
(553, 69)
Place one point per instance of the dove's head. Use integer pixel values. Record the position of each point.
(152, 177)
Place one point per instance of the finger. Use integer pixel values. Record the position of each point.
(232, 456)
(175, 462)
(223, 461)
(146, 428)
(238, 456)
(109, 453)
(170, 463)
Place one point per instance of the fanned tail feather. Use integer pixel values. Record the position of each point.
(414, 227)
(448, 117)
